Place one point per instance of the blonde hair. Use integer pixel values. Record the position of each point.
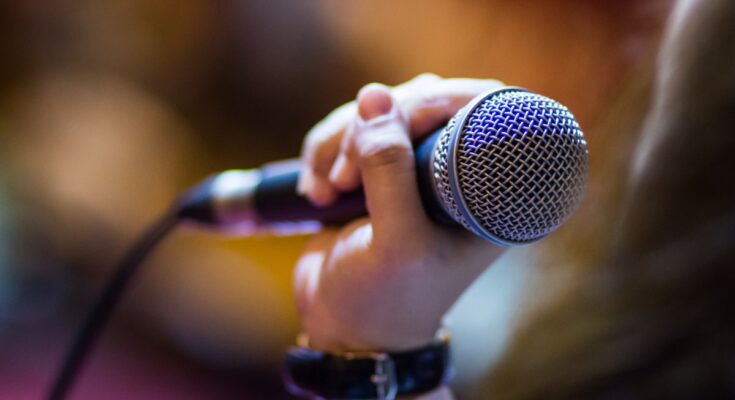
(652, 317)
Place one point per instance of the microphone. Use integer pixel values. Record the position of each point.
(510, 167)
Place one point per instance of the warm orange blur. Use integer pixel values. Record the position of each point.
(108, 109)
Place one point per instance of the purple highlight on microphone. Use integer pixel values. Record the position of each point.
(511, 166)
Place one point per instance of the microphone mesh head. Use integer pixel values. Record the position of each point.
(511, 166)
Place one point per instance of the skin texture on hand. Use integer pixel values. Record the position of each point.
(383, 282)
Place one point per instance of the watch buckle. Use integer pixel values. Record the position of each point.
(385, 380)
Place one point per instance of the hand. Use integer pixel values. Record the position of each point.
(383, 282)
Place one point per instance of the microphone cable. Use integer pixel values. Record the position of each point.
(101, 311)
(193, 205)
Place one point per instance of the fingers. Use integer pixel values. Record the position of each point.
(428, 103)
(319, 151)
(386, 162)
(330, 159)
(345, 174)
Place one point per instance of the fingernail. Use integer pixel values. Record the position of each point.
(373, 101)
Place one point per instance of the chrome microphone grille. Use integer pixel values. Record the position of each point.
(511, 166)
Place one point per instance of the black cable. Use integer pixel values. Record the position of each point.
(105, 305)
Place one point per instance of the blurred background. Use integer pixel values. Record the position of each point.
(109, 109)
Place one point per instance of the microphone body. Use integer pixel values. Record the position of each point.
(510, 167)
(266, 200)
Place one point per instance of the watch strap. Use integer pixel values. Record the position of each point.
(315, 374)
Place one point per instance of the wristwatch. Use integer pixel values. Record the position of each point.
(367, 375)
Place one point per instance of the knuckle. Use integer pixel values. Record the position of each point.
(316, 137)
(386, 152)
(322, 159)
(427, 77)
(328, 130)
(320, 149)
(419, 91)
(369, 85)
(309, 146)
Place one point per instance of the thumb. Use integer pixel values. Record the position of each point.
(386, 160)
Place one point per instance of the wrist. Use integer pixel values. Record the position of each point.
(365, 334)
(417, 372)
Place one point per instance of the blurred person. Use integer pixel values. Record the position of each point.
(650, 320)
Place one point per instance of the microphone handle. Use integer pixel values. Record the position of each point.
(277, 202)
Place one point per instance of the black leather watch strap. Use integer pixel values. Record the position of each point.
(314, 374)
